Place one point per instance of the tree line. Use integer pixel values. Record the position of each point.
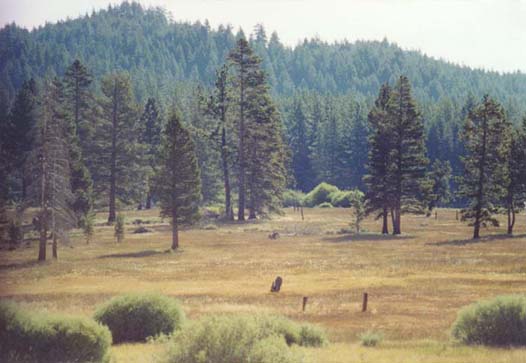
(68, 150)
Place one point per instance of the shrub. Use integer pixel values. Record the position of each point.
(371, 338)
(135, 317)
(293, 198)
(312, 336)
(497, 322)
(35, 337)
(237, 339)
(345, 198)
(324, 205)
(320, 194)
(273, 350)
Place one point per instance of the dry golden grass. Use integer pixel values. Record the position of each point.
(416, 282)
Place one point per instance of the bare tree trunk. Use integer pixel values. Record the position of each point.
(226, 177)
(42, 241)
(148, 200)
(385, 226)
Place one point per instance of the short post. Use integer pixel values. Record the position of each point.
(305, 299)
(436, 215)
(364, 304)
(456, 216)
(301, 209)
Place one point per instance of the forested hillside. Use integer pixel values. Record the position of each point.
(158, 51)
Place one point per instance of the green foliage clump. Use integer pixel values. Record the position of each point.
(119, 228)
(320, 194)
(135, 317)
(345, 198)
(324, 205)
(35, 337)
(371, 338)
(497, 322)
(293, 198)
(242, 338)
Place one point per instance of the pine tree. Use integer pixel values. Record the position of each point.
(219, 109)
(119, 169)
(407, 168)
(515, 184)
(48, 166)
(301, 154)
(266, 176)
(80, 103)
(177, 179)
(150, 124)
(18, 143)
(245, 64)
(378, 197)
(485, 137)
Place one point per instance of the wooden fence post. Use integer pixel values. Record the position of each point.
(364, 304)
(305, 299)
(301, 209)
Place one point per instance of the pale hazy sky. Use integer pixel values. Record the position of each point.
(479, 33)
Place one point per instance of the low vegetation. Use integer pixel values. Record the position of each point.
(242, 338)
(371, 338)
(135, 317)
(38, 337)
(497, 322)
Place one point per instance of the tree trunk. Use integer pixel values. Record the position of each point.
(42, 241)
(148, 200)
(511, 219)
(385, 225)
(480, 191)
(226, 177)
(175, 232)
(397, 221)
(55, 247)
(113, 167)
(241, 148)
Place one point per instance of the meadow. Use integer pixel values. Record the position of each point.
(416, 282)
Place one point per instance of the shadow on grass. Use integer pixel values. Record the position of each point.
(20, 265)
(139, 254)
(484, 239)
(365, 237)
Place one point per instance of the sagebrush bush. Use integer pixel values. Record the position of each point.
(371, 338)
(238, 339)
(497, 322)
(35, 337)
(312, 336)
(135, 317)
(293, 198)
(320, 194)
(273, 349)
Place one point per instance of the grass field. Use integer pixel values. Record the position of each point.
(416, 282)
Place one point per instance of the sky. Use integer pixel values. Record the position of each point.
(489, 34)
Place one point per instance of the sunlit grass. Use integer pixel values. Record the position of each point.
(416, 282)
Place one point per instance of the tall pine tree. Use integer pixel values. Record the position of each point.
(486, 140)
(177, 178)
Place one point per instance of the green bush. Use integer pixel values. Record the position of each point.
(371, 338)
(324, 205)
(273, 350)
(345, 198)
(35, 337)
(238, 339)
(293, 198)
(320, 194)
(312, 336)
(135, 317)
(497, 322)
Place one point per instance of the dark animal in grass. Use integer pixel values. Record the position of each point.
(273, 235)
(141, 229)
(276, 285)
